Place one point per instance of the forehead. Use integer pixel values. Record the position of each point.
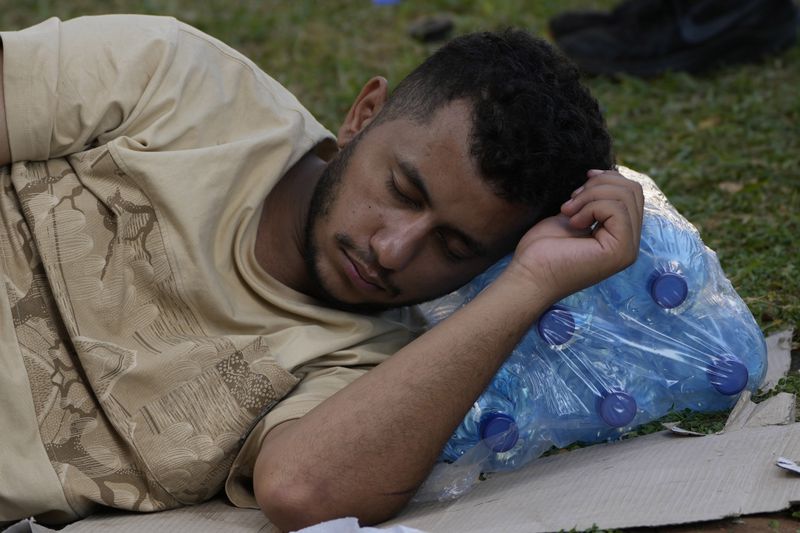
(439, 151)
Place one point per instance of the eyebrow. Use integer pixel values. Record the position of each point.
(418, 181)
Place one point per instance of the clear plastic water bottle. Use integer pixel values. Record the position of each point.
(708, 353)
(589, 371)
(700, 368)
(743, 343)
(711, 354)
(437, 310)
(504, 420)
(616, 387)
(567, 380)
(724, 317)
(668, 275)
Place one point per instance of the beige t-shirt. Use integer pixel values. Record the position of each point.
(152, 341)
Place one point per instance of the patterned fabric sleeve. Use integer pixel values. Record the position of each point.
(317, 386)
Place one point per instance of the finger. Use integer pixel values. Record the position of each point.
(605, 182)
(615, 230)
(609, 177)
(556, 226)
(604, 192)
(599, 178)
(609, 186)
(599, 210)
(590, 174)
(613, 177)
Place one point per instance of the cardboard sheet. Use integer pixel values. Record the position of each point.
(778, 410)
(658, 479)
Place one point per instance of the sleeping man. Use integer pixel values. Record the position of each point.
(205, 289)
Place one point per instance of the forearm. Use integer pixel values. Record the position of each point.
(364, 451)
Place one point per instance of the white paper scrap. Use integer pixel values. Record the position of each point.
(788, 464)
(350, 525)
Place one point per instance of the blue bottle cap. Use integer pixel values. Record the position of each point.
(617, 408)
(556, 325)
(499, 430)
(669, 289)
(728, 375)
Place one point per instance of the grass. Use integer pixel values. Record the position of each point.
(724, 147)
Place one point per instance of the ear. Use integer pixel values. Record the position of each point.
(364, 110)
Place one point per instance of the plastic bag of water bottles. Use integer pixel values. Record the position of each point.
(667, 333)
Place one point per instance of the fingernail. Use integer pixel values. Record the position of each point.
(594, 172)
(577, 191)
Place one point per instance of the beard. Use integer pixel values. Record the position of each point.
(323, 198)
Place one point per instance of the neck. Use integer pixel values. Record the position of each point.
(281, 230)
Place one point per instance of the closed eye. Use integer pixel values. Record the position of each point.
(451, 254)
(398, 194)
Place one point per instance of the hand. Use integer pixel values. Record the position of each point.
(595, 235)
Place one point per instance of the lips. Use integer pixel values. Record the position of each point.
(359, 276)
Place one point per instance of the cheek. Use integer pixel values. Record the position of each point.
(359, 212)
(358, 216)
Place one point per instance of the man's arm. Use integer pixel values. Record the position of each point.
(364, 451)
(5, 148)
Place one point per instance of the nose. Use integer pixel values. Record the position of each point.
(399, 241)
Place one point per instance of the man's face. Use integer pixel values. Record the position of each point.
(402, 215)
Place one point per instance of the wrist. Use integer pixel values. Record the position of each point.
(516, 293)
(528, 284)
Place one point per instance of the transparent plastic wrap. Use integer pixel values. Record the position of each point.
(669, 332)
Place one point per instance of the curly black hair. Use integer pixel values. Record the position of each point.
(536, 128)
